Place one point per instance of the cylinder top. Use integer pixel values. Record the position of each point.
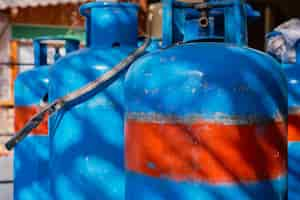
(235, 19)
(86, 8)
(110, 24)
(40, 46)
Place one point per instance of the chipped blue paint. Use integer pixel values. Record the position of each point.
(165, 189)
(208, 80)
(86, 139)
(31, 156)
(207, 90)
(293, 170)
(292, 72)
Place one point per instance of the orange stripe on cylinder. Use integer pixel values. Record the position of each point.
(294, 127)
(206, 151)
(23, 114)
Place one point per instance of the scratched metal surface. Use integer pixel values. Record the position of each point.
(237, 87)
(204, 85)
(87, 156)
(31, 156)
(293, 77)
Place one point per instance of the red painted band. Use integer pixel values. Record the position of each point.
(209, 152)
(294, 127)
(23, 114)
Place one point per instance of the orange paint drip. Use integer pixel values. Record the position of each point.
(209, 152)
(294, 127)
(23, 114)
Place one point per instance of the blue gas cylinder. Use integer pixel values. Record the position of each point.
(87, 136)
(292, 72)
(206, 120)
(31, 156)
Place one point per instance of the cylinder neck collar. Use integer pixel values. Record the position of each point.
(110, 24)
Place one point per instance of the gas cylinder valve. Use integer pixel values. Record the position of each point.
(203, 20)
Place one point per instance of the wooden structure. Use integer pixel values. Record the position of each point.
(21, 26)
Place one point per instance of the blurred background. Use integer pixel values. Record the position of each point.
(23, 20)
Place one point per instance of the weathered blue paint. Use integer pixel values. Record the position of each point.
(214, 82)
(31, 86)
(292, 72)
(293, 170)
(105, 24)
(230, 85)
(31, 156)
(164, 189)
(292, 68)
(87, 159)
(236, 23)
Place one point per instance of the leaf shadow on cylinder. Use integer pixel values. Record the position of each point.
(266, 87)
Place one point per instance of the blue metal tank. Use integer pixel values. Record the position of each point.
(292, 72)
(31, 156)
(87, 137)
(205, 120)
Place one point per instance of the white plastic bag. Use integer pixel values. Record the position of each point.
(282, 42)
